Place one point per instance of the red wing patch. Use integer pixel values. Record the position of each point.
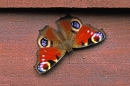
(48, 57)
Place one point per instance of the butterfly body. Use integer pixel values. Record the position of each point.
(71, 33)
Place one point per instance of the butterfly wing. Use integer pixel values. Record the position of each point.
(50, 51)
(88, 35)
(79, 34)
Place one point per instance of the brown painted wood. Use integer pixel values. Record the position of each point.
(106, 64)
(65, 3)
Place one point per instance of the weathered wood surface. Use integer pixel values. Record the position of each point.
(65, 3)
(107, 64)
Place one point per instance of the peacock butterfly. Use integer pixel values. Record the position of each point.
(71, 33)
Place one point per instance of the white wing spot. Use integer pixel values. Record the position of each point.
(88, 31)
(43, 59)
(91, 33)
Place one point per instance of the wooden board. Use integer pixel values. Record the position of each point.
(107, 64)
(65, 3)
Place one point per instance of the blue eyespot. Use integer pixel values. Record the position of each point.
(75, 25)
(44, 42)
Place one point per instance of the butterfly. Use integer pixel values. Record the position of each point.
(71, 33)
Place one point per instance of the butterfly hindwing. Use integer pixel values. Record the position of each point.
(87, 35)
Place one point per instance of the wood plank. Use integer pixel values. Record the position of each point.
(107, 64)
(65, 3)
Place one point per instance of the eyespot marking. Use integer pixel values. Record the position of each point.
(98, 36)
(44, 42)
(43, 67)
(75, 24)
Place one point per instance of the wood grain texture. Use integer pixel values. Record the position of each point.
(65, 3)
(106, 64)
